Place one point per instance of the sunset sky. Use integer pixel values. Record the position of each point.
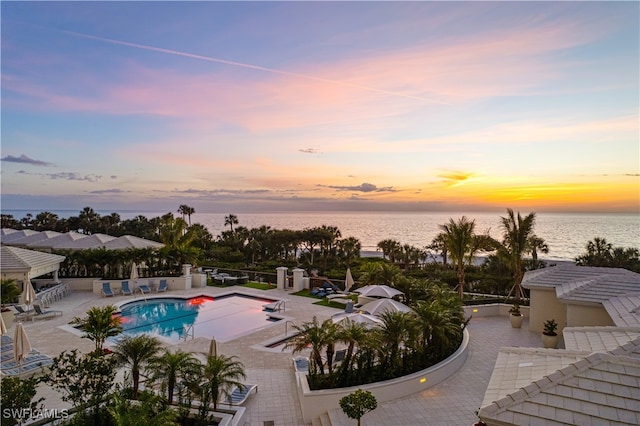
(277, 106)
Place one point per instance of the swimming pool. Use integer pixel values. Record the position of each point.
(223, 317)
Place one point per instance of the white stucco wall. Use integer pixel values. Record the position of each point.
(581, 316)
(545, 306)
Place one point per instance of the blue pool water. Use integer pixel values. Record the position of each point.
(222, 318)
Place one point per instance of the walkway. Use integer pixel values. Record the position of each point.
(450, 403)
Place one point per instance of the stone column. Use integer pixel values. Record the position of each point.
(281, 274)
(298, 275)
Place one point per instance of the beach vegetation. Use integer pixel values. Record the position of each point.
(601, 253)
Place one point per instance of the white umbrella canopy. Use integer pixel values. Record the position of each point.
(379, 291)
(134, 272)
(28, 294)
(379, 306)
(348, 283)
(357, 317)
(21, 344)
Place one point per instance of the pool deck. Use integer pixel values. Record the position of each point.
(452, 402)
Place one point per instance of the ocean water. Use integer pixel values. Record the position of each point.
(565, 234)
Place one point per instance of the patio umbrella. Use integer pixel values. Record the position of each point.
(358, 317)
(213, 348)
(3, 327)
(134, 272)
(21, 345)
(378, 291)
(348, 283)
(28, 294)
(379, 306)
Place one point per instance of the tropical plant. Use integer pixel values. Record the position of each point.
(516, 242)
(515, 310)
(85, 380)
(550, 327)
(136, 352)
(186, 210)
(459, 238)
(99, 324)
(310, 333)
(220, 374)
(357, 404)
(170, 367)
(601, 253)
(9, 291)
(17, 398)
(231, 220)
(150, 410)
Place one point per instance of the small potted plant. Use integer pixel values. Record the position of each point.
(549, 335)
(515, 316)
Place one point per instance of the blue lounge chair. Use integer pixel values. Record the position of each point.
(163, 286)
(301, 364)
(240, 395)
(144, 288)
(106, 290)
(44, 313)
(124, 287)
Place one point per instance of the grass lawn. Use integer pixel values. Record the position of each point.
(259, 286)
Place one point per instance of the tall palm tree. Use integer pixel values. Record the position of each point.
(170, 367)
(397, 329)
(186, 210)
(353, 334)
(537, 245)
(219, 375)
(310, 333)
(99, 324)
(136, 352)
(459, 238)
(231, 220)
(516, 242)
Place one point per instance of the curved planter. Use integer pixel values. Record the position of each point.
(315, 403)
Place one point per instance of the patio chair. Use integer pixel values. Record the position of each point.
(163, 286)
(42, 313)
(124, 288)
(339, 356)
(22, 314)
(144, 289)
(106, 289)
(301, 363)
(349, 307)
(240, 395)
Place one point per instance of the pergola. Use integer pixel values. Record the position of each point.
(23, 265)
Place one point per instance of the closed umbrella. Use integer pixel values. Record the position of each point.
(348, 283)
(379, 291)
(21, 345)
(134, 272)
(3, 326)
(213, 348)
(28, 294)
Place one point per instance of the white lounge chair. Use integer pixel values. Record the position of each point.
(44, 313)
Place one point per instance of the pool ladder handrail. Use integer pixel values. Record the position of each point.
(188, 330)
(285, 326)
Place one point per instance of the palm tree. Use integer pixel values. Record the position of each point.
(219, 375)
(169, 367)
(440, 325)
(459, 238)
(353, 334)
(231, 220)
(439, 244)
(537, 245)
(310, 333)
(99, 324)
(186, 210)
(516, 242)
(396, 331)
(136, 352)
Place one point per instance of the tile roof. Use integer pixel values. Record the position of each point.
(598, 339)
(6, 237)
(584, 283)
(91, 241)
(15, 259)
(624, 310)
(59, 239)
(602, 389)
(517, 367)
